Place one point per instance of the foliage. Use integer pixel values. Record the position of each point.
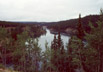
(84, 52)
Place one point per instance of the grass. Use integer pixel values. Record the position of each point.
(7, 70)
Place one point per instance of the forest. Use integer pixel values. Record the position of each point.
(71, 24)
(83, 53)
(16, 28)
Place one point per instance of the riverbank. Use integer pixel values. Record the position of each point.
(48, 37)
(65, 32)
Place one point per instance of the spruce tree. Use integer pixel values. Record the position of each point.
(75, 48)
(80, 31)
(59, 58)
(95, 41)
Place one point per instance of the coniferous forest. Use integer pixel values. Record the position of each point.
(21, 52)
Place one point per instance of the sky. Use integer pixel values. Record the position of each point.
(47, 10)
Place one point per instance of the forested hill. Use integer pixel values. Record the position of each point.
(16, 24)
(74, 22)
(18, 27)
(67, 26)
(66, 23)
(70, 25)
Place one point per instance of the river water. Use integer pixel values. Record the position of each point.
(49, 38)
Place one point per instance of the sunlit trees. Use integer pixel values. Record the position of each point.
(19, 54)
(36, 56)
(27, 53)
(46, 59)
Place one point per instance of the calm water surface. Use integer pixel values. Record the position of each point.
(49, 37)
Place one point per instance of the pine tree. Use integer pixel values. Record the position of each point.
(54, 56)
(54, 43)
(80, 31)
(75, 48)
(59, 58)
(95, 41)
(69, 55)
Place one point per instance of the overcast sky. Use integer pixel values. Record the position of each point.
(47, 10)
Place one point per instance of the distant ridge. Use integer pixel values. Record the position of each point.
(67, 23)
(71, 25)
(72, 22)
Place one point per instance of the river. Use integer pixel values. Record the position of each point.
(49, 38)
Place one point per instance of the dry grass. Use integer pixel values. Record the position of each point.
(6, 70)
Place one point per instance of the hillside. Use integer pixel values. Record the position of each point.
(17, 28)
(69, 26)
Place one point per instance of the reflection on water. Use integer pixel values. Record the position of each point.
(49, 37)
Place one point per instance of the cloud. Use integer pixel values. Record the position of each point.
(47, 10)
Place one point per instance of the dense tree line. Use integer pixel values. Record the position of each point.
(83, 53)
(18, 27)
(72, 24)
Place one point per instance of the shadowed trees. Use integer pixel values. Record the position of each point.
(86, 50)
(59, 57)
(5, 45)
